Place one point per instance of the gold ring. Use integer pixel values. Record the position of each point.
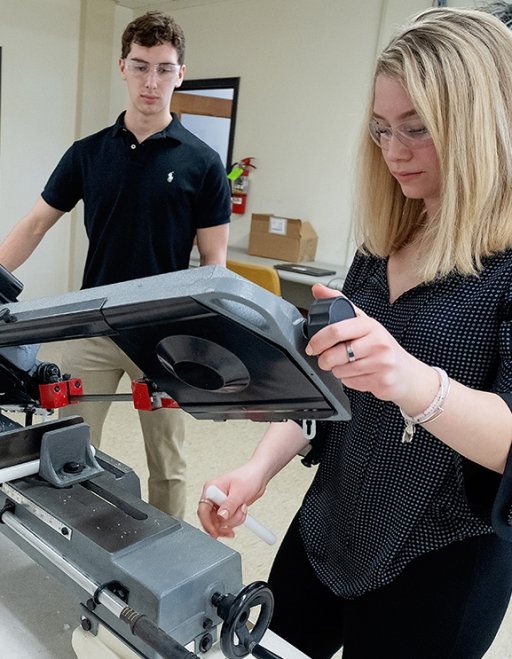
(350, 352)
(207, 501)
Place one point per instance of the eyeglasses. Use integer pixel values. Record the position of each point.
(411, 133)
(141, 69)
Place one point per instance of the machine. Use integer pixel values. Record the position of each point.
(207, 340)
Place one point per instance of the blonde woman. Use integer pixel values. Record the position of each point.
(399, 548)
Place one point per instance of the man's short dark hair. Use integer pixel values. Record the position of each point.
(152, 29)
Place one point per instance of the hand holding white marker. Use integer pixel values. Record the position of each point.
(217, 496)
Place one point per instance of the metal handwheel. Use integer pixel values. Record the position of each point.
(235, 611)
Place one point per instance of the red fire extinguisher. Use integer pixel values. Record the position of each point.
(239, 177)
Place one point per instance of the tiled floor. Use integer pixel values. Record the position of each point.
(211, 449)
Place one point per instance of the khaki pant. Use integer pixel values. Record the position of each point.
(101, 364)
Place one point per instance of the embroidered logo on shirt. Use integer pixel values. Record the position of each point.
(170, 177)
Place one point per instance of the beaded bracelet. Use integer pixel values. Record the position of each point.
(433, 410)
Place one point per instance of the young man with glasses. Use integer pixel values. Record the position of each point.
(149, 189)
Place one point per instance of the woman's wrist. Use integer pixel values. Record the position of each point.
(433, 410)
(419, 385)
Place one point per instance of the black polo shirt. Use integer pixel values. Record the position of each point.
(143, 203)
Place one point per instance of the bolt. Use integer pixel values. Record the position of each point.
(217, 599)
(85, 624)
(73, 467)
(205, 643)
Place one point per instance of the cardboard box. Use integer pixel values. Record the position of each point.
(282, 238)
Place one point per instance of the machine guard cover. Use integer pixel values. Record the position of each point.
(221, 346)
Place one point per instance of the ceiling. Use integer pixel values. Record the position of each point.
(172, 4)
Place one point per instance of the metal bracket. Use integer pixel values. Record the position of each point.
(66, 456)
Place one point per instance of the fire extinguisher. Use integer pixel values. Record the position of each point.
(239, 177)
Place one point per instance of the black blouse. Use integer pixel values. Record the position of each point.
(376, 503)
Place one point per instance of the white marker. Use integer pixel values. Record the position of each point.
(217, 496)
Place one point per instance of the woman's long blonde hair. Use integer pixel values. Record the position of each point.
(456, 66)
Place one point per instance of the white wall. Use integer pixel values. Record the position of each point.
(39, 43)
(58, 83)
